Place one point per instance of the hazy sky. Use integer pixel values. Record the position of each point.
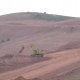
(62, 7)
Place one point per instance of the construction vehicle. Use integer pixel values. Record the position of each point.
(36, 52)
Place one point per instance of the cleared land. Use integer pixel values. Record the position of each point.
(58, 36)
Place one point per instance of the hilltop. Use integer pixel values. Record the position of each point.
(33, 16)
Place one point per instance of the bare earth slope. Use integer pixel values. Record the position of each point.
(58, 36)
(48, 36)
(45, 34)
(59, 64)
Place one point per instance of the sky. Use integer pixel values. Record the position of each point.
(60, 7)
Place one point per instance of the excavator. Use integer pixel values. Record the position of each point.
(36, 52)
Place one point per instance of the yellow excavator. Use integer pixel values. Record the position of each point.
(36, 52)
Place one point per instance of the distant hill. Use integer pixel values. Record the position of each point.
(49, 32)
(34, 16)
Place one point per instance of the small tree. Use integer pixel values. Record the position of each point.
(8, 39)
(2, 41)
(45, 13)
(21, 50)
